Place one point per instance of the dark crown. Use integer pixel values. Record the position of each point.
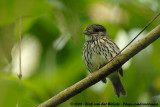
(96, 28)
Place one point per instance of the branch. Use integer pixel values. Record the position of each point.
(104, 71)
(20, 67)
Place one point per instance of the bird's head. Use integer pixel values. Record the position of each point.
(94, 30)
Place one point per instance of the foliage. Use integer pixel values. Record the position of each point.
(52, 49)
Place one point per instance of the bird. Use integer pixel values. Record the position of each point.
(98, 50)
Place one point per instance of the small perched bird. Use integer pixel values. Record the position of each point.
(98, 50)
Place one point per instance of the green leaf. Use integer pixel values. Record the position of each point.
(7, 40)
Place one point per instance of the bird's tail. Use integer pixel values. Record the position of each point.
(117, 84)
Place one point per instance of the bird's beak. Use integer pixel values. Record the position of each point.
(86, 32)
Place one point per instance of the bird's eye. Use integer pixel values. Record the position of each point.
(96, 30)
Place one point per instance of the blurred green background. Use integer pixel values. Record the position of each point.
(52, 43)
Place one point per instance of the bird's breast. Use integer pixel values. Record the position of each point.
(97, 57)
(97, 61)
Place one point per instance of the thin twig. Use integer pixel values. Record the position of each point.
(20, 68)
(140, 32)
(137, 35)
